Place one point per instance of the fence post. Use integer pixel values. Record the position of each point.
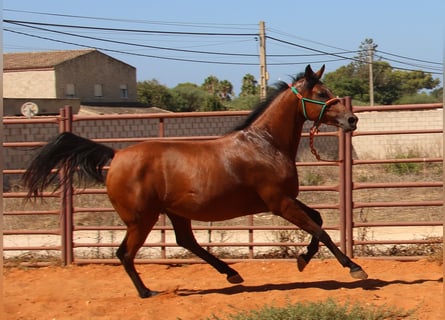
(348, 188)
(162, 219)
(342, 188)
(66, 194)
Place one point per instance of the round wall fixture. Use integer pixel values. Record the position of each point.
(29, 109)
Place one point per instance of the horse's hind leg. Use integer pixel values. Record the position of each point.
(134, 239)
(185, 238)
(304, 258)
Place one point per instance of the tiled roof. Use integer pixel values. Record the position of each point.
(37, 60)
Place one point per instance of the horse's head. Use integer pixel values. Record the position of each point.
(318, 104)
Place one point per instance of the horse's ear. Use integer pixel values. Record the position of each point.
(311, 76)
(308, 73)
(319, 73)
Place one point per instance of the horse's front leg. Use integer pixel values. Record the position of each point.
(291, 210)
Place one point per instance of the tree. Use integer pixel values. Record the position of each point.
(366, 48)
(225, 90)
(211, 84)
(213, 103)
(249, 96)
(412, 82)
(221, 89)
(389, 85)
(386, 86)
(247, 102)
(153, 94)
(437, 94)
(249, 86)
(344, 82)
(187, 97)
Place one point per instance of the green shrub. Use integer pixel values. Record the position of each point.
(327, 310)
(312, 179)
(404, 168)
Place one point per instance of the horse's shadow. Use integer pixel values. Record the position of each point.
(368, 284)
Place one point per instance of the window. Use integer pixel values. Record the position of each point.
(70, 90)
(124, 91)
(98, 91)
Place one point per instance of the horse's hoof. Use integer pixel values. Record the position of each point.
(359, 274)
(301, 263)
(148, 294)
(235, 279)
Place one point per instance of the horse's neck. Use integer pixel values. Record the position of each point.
(284, 124)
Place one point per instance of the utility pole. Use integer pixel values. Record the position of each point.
(264, 76)
(371, 77)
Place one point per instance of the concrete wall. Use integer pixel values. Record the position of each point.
(13, 106)
(96, 68)
(29, 84)
(387, 146)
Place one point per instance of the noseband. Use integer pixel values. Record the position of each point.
(314, 129)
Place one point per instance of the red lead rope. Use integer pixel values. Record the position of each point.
(312, 133)
(314, 130)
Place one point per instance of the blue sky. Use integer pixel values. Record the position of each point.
(411, 33)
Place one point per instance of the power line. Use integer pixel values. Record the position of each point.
(439, 69)
(286, 34)
(133, 30)
(136, 44)
(345, 51)
(399, 56)
(340, 55)
(311, 49)
(130, 53)
(176, 49)
(213, 25)
(165, 58)
(301, 63)
(410, 64)
(225, 26)
(172, 23)
(173, 49)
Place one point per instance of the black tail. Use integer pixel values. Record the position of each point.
(70, 152)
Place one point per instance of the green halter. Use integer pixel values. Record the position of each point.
(324, 105)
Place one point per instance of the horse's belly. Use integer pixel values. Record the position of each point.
(220, 208)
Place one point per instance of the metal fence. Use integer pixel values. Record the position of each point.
(73, 220)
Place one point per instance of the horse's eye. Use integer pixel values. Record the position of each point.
(322, 95)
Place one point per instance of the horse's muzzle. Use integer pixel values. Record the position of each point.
(348, 123)
(352, 120)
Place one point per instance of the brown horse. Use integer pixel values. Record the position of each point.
(249, 170)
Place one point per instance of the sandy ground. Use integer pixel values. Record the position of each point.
(197, 291)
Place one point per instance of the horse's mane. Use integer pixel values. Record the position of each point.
(278, 88)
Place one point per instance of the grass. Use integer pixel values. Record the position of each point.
(327, 310)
